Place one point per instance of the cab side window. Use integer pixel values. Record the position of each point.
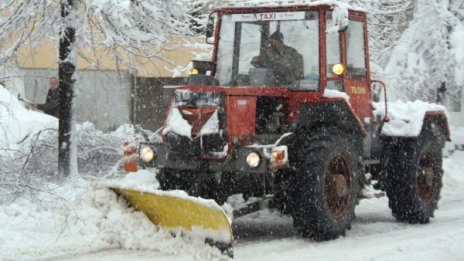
(333, 49)
(356, 56)
(333, 56)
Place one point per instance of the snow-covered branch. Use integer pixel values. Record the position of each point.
(122, 27)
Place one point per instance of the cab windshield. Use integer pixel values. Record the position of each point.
(273, 49)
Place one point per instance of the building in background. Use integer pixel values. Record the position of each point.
(110, 93)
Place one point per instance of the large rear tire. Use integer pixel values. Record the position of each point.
(327, 184)
(414, 178)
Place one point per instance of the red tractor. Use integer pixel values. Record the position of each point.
(284, 113)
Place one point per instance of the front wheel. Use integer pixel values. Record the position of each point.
(326, 172)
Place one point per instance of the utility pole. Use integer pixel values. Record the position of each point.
(66, 70)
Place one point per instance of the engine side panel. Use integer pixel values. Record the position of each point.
(241, 116)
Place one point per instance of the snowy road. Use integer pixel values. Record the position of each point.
(375, 234)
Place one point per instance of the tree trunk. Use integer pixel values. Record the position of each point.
(66, 71)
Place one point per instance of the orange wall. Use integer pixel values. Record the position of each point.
(46, 56)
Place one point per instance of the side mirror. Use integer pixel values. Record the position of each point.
(210, 28)
(379, 91)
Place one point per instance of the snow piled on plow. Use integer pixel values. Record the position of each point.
(145, 181)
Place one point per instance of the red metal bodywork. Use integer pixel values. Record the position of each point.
(241, 116)
(241, 108)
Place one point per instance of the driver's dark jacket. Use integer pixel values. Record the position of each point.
(51, 105)
(287, 63)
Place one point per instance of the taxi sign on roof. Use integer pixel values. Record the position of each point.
(273, 16)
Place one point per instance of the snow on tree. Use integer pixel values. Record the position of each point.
(123, 27)
(422, 59)
(119, 26)
(410, 48)
(387, 19)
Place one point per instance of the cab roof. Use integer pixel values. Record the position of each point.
(286, 3)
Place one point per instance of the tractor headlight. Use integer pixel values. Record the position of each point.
(147, 154)
(253, 159)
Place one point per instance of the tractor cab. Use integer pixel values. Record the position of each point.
(321, 47)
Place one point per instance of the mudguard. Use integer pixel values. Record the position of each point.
(333, 112)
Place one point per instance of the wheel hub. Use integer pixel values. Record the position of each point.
(426, 179)
(338, 186)
(429, 176)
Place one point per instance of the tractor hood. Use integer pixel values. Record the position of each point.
(198, 123)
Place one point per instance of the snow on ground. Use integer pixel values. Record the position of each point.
(84, 217)
(81, 220)
(376, 235)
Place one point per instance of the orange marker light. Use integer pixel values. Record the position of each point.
(278, 155)
(130, 159)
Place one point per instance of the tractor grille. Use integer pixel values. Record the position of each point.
(196, 125)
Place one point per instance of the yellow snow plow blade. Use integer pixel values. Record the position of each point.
(194, 216)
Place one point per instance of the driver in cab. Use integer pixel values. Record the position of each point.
(285, 61)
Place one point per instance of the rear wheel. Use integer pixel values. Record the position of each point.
(326, 177)
(415, 179)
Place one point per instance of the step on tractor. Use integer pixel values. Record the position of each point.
(287, 115)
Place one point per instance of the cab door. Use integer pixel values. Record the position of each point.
(357, 76)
